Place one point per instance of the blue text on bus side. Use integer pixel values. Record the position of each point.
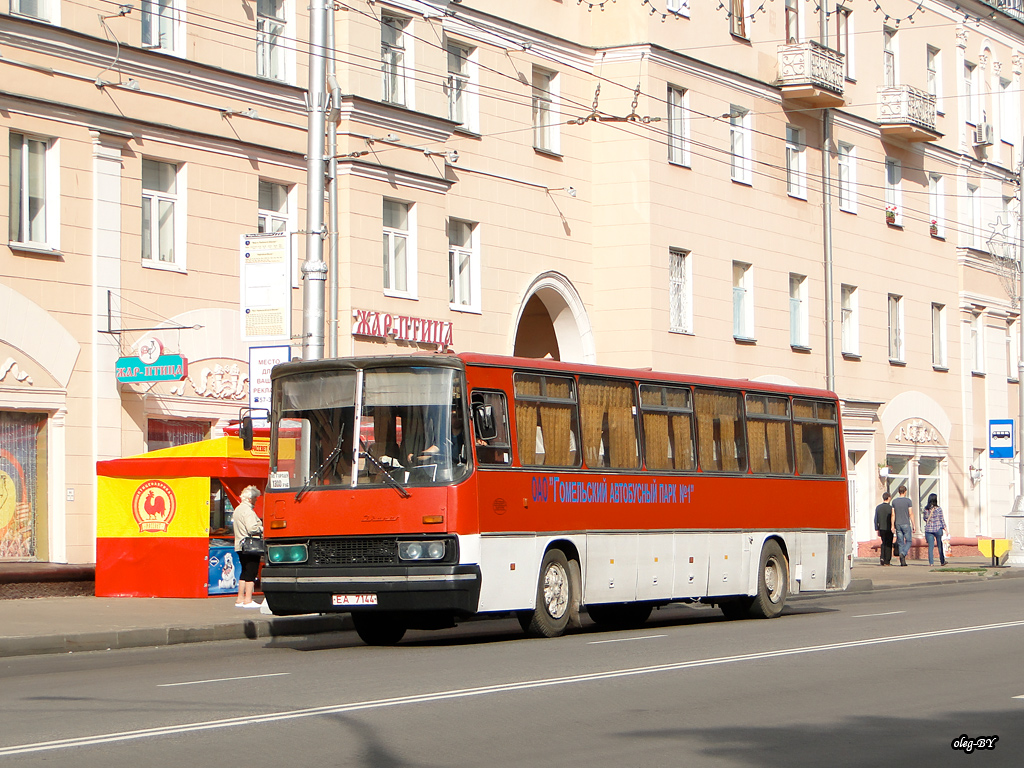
(553, 488)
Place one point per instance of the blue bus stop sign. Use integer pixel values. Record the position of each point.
(1000, 438)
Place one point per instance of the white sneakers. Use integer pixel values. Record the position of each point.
(252, 604)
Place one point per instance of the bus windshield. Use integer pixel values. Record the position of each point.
(382, 426)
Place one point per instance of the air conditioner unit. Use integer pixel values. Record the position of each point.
(983, 135)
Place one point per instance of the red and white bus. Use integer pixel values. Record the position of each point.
(413, 491)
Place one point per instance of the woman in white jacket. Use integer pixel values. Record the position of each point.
(247, 523)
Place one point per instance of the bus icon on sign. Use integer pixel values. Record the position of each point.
(1000, 439)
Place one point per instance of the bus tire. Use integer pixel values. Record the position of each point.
(620, 615)
(772, 582)
(378, 628)
(555, 598)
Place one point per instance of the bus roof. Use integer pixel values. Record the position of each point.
(540, 365)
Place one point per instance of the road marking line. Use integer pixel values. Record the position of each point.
(360, 706)
(625, 639)
(869, 615)
(221, 679)
(1018, 697)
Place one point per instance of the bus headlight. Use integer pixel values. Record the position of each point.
(421, 550)
(281, 554)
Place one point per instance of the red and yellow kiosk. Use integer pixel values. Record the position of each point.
(163, 520)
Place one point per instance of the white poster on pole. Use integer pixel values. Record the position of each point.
(261, 361)
(266, 295)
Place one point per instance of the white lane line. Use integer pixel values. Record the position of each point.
(460, 693)
(625, 639)
(222, 679)
(1018, 697)
(869, 615)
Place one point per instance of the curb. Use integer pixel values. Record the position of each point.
(118, 639)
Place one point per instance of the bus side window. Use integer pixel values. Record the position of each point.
(668, 427)
(720, 433)
(490, 427)
(768, 433)
(815, 429)
(546, 420)
(607, 417)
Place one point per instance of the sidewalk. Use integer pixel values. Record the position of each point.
(65, 624)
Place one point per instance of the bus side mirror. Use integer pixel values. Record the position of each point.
(483, 418)
(245, 432)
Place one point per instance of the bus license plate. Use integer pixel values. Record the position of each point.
(354, 599)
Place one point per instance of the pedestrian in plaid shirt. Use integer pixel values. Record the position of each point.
(934, 525)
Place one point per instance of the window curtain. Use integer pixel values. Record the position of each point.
(722, 443)
(527, 419)
(601, 400)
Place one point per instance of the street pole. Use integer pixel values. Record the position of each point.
(332, 195)
(314, 270)
(826, 223)
(1017, 503)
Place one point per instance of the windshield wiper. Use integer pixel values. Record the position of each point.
(383, 470)
(316, 474)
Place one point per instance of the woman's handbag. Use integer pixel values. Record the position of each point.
(253, 545)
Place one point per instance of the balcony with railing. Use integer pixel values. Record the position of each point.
(812, 74)
(906, 112)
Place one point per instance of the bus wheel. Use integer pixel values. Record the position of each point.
(620, 615)
(555, 598)
(378, 628)
(772, 582)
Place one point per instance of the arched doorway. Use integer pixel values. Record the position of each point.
(553, 322)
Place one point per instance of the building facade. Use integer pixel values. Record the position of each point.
(815, 193)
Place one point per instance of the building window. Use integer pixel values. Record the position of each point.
(273, 204)
(24, 460)
(844, 38)
(847, 177)
(680, 291)
(399, 251)
(271, 31)
(936, 205)
(461, 86)
(37, 9)
(977, 343)
(970, 94)
(742, 301)
(738, 17)
(166, 433)
(895, 328)
(545, 115)
(799, 320)
(34, 194)
(1009, 114)
(850, 320)
(463, 266)
(392, 58)
(894, 191)
(159, 222)
(889, 56)
(939, 336)
(1012, 350)
(678, 126)
(159, 21)
(678, 7)
(796, 163)
(933, 64)
(972, 215)
(792, 21)
(740, 144)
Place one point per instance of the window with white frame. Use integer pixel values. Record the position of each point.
(678, 7)
(680, 291)
(740, 144)
(849, 315)
(392, 58)
(271, 37)
(936, 205)
(399, 250)
(847, 177)
(160, 19)
(738, 17)
(977, 342)
(798, 312)
(792, 21)
(461, 87)
(970, 93)
(1005, 218)
(34, 193)
(160, 226)
(273, 207)
(463, 266)
(44, 10)
(844, 37)
(895, 328)
(1009, 113)
(796, 163)
(933, 76)
(894, 191)
(888, 56)
(545, 113)
(939, 359)
(742, 300)
(678, 126)
(1012, 350)
(972, 217)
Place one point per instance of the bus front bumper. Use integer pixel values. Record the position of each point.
(453, 589)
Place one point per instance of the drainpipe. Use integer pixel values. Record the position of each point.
(332, 194)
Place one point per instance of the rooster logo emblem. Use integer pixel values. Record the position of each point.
(153, 506)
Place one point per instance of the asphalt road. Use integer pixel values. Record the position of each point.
(888, 677)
